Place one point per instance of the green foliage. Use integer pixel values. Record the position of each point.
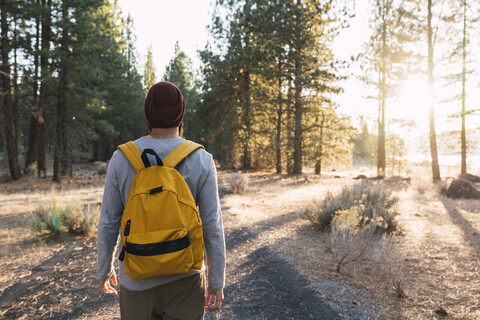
(377, 205)
(396, 152)
(364, 147)
(149, 78)
(55, 221)
(179, 71)
(253, 82)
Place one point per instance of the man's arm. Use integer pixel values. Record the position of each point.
(108, 228)
(214, 239)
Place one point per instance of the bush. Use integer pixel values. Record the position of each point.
(55, 221)
(320, 218)
(238, 182)
(79, 220)
(378, 205)
(350, 236)
(47, 220)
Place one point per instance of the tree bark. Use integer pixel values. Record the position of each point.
(381, 154)
(247, 159)
(7, 99)
(433, 136)
(319, 151)
(62, 165)
(298, 114)
(290, 125)
(36, 141)
(278, 142)
(464, 79)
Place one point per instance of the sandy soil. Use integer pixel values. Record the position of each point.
(278, 265)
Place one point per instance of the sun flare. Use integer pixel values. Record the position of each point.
(415, 97)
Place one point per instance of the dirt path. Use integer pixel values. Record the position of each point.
(262, 281)
(278, 265)
(442, 263)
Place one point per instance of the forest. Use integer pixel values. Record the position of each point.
(265, 95)
(325, 214)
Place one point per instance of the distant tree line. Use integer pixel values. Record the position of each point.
(264, 97)
(70, 83)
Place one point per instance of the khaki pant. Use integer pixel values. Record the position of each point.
(183, 299)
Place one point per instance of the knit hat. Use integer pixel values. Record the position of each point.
(164, 105)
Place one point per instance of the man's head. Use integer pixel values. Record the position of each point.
(164, 106)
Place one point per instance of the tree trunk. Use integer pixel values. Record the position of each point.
(62, 155)
(247, 159)
(290, 125)
(278, 142)
(15, 82)
(433, 137)
(32, 148)
(464, 79)
(36, 141)
(382, 92)
(7, 98)
(298, 135)
(319, 151)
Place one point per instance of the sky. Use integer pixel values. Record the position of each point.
(160, 24)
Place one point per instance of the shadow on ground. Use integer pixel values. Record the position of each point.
(262, 285)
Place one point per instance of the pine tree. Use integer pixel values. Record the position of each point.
(149, 76)
(11, 132)
(179, 71)
(387, 58)
(462, 21)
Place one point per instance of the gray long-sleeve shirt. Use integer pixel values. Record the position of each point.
(199, 171)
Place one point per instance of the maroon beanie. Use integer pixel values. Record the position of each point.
(164, 106)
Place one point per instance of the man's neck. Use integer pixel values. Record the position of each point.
(165, 133)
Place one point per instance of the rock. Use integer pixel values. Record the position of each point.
(461, 188)
(470, 177)
(441, 312)
(361, 176)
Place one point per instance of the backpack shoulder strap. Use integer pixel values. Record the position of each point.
(180, 152)
(133, 154)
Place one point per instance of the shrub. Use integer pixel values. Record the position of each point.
(78, 220)
(54, 221)
(379, 205)
(47, 220)
(238, 182)
(320, 218)
(350, 236)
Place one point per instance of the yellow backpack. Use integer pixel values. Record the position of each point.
(161, 229)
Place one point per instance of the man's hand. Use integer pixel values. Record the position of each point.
(106, 287)
(217, 301)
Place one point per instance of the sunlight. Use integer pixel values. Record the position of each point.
(415, 98)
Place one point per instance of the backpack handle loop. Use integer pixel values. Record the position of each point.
(145, 160)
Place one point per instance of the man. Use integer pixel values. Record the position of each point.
(179, 296)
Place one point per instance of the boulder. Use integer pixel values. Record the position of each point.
(462, 188)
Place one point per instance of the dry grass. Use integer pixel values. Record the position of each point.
(238, 182)
(350, 237)
(435, 261)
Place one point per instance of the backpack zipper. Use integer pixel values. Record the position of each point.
(126, 233)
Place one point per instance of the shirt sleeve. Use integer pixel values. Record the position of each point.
(109, 222)
(213, 235)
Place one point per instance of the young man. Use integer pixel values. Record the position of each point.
(178, 296)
